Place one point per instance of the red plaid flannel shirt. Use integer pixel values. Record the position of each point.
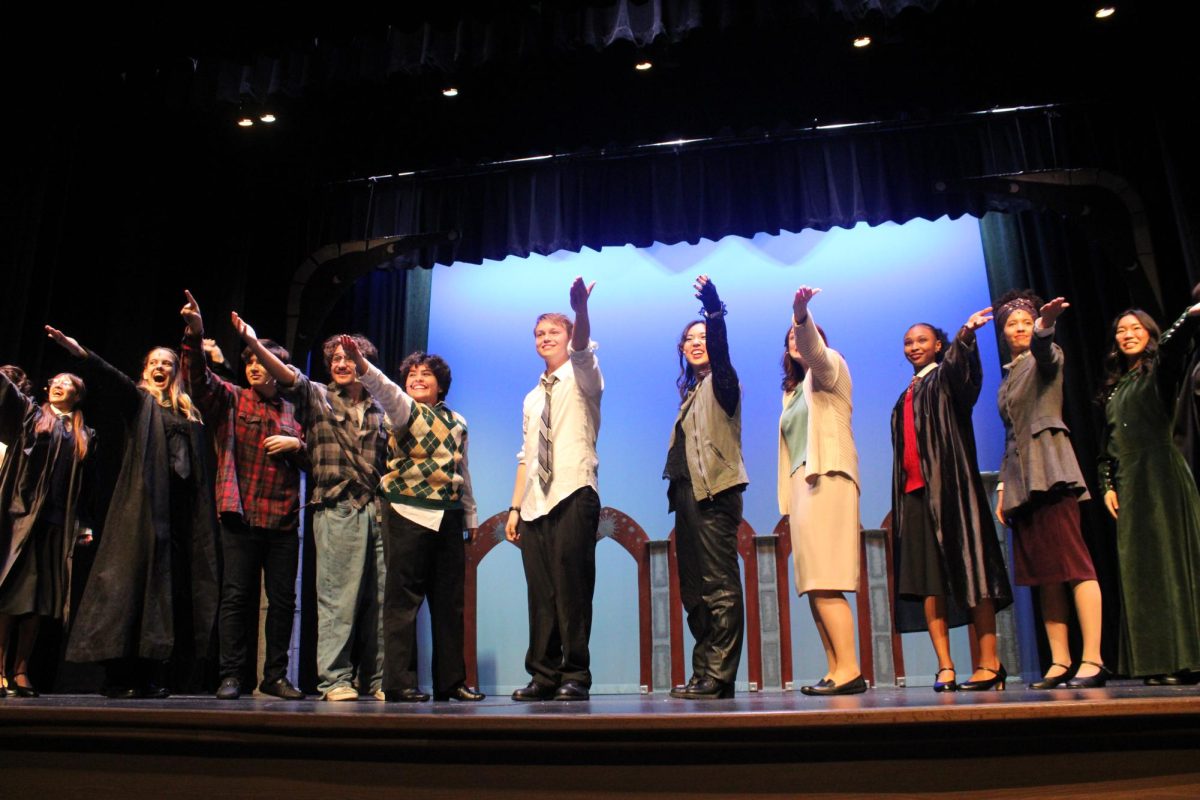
(263, 490)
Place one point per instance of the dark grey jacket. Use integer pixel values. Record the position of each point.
(1038, 455)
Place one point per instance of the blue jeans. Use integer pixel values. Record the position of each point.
(350, 583)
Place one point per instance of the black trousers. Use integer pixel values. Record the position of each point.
(710, 583)
(421, 564)
(558, 551)
(249, 552)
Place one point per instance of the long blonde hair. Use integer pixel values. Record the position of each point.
(49, 416)
(177, 399)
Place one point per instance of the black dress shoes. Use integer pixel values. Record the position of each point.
(572, 690)
(281, 688)
(534, 691)
(827, 687)
(705, 688)
(461, 692)
(412, 695)
(230, 689)
(1091, 681)
(1067, 673)
(1182, 678)
(17, 690)
(680, 690)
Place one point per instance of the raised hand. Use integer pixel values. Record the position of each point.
(800, 302)
(212, 351)
(580, 293)
(66, 342)
(191, 315)
(706, 293)
(1052, 310)
(350, 348)
(979, 318)
(243, 328)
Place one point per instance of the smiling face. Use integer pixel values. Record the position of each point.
(159, 369)
(422, 384)
(258, 377)
(1018, 331)
(342, 368)
(921, 346)
(551, 337)
(694, 345)
(63, 393)
(1132, 337)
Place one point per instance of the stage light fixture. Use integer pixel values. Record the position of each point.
(450, 91)
(642, 66)
(862, 41)
(267, 118)
(1104, 12)
(245, 122)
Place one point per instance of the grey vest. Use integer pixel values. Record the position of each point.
(713, 442)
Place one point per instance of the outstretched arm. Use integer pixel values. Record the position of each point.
(280, 371)
(395, 401)
(212, 393)
(106, 380)
(823, 366)
(961, 367)
(724, 378)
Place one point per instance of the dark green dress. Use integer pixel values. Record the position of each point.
(1158, 522)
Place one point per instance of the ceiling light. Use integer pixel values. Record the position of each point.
(642, 66)
(862, 41)
(245, 122)
(267, 118)
(1104, 12)
(450, 91)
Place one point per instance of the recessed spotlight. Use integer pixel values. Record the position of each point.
(862, 41)
(1104, 12)
(245, 122)
(450, 91)
(267, 118)
(642, 66)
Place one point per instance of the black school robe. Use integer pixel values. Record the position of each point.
(25, 484)
(958, 504)
(127, 609)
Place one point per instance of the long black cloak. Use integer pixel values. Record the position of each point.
(127, 607)
(958, 504)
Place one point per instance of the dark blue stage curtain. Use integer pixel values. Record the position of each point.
(817, 179)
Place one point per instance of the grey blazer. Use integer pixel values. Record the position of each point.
(1038, 455)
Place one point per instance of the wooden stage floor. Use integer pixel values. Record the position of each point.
(1124, 740)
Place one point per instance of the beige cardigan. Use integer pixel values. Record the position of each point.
(826, 388)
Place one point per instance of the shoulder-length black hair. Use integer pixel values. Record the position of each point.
(1115, 362)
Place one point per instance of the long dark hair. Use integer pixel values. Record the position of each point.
(50, 416)
(793, 370)
(1114, 359)
(687, 375)
(938, 334)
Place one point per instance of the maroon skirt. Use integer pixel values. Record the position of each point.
(1047, 544)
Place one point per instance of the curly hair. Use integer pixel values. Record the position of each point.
(334, 342)
(437, 365)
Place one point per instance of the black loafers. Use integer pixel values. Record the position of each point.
(534, 691)
(461, 692)
(281, 688)
(572, 690)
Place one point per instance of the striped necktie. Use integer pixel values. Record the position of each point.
(545, 452)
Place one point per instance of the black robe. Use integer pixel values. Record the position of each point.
(24, 482)
(127, 608)
(958, 503)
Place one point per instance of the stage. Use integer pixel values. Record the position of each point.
(1123, 739)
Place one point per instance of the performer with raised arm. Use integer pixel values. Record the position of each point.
(260, 454)
(818, 490)
(948, 554)
(42, 513)
(152, 593)
(347, 441)
(430, 504)
(1149, 491)
(555, 508)
(1041, 487)
(707, 478)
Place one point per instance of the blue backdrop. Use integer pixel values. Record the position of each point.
(876, 282)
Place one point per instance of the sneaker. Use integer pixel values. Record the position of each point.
(379, 695)
(341, 693)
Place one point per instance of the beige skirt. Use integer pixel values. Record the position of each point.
(825, 532)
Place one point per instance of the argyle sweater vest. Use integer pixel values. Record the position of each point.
(424, 457)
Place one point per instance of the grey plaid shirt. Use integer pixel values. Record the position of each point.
(348, 458)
